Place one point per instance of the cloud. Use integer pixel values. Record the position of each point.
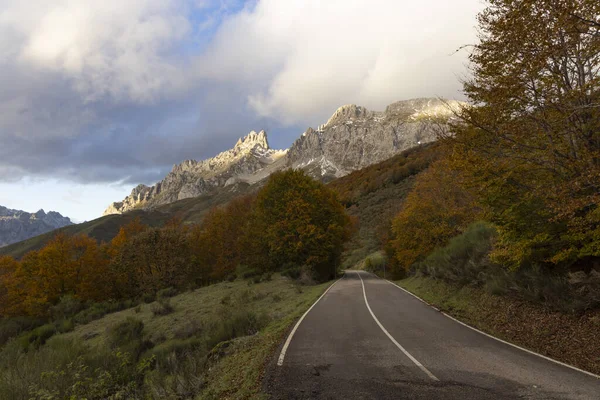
(110, 48)
(119, 91)
(301, 59)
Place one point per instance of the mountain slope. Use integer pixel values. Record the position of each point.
(352, 138)
(17, 225)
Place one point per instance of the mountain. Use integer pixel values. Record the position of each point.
(17, 225)
(192, 178)
(352, 138)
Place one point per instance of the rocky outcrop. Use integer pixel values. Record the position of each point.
(17, 225)
(352, 138)
(355, 137)
(193, 178)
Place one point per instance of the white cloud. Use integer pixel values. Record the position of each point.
(303, 58)
(110, 48)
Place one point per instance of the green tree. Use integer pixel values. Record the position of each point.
(530, 144)
(437, 209)
(297, 220)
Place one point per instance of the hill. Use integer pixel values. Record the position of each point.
(209, 338)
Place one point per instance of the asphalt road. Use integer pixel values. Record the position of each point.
(368, 339)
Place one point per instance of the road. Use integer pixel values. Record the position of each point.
(368, 339)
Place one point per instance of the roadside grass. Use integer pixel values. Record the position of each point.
(566, 337)
(214, 344)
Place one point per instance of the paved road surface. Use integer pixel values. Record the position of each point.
(399, 348)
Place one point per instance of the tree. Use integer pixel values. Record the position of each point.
(530, 144)
(437, 209)
(120, 275)
(297, 220)
(218, 241)
(10, 303)
(152, 260)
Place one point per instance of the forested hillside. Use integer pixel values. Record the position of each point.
(513, 203)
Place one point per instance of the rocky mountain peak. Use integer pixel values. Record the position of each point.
(40, 214)
(17, 225)
(348, 112)
(252, 140)
(353, 138)
(242, 163)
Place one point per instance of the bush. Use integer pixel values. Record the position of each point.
(237, 324)
(98, 310)
(190, 329)
(67, 307)
(375, 262)
(37, 337)
(162, 307)
(291, 270)
(464, 259)
(12, 327)
(125, 332)
(148, 298)
(64, 326)
(166, 293)
(246, 272)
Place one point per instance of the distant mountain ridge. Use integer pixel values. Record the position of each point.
(352, 138)
(17, 225)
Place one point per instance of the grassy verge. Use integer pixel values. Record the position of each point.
(211, 343)
(572, 339)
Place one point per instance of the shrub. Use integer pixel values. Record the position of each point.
(67, 307)
(162, 307)
(98, 310)
(12, 327)
(64, 326)
(190, 329)
(237, 324)
(37, 337)
(125, 332)
(464, 258)
(292, 271)
(166, 293)
(246, 272)
(148, 298)
(375, 262)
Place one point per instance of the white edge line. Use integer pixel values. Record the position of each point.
(498, 339)
(414, 360)
(291, 335)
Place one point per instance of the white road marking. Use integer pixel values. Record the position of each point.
(291, 335)
(495, 338)
(414, 360)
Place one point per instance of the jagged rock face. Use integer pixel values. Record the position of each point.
(16, 225)
(353, 138)
(193, 178)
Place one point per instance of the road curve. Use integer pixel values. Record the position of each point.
(368, 339)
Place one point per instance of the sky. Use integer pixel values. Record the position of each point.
(99, 96)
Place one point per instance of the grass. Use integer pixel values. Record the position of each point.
(565, 337)
(214, 344)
